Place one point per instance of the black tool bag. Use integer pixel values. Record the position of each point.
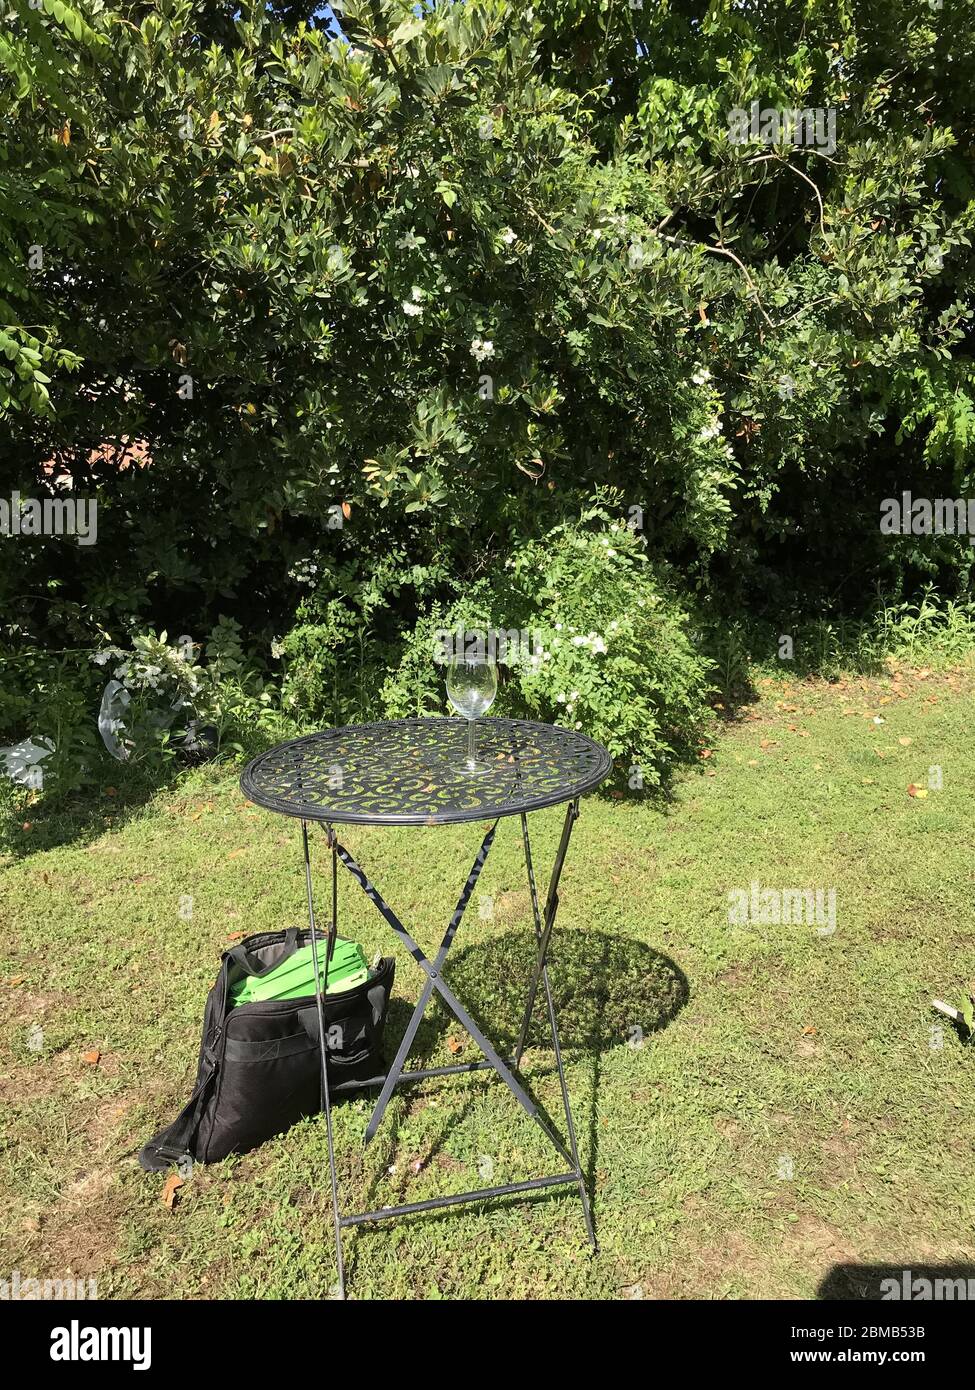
(260, 1064)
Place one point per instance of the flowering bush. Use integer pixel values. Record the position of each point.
(318, 316)
(618, 655)
(601, 644)
(161, 700)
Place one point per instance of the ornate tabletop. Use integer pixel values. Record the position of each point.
(409, 772)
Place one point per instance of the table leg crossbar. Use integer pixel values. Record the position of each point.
(434, 983)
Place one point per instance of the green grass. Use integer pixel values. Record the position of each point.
(761, 1045)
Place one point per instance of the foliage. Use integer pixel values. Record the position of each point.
(934, 632)
(397, 302)
(603, 645)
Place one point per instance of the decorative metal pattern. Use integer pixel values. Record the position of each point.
(407, 772)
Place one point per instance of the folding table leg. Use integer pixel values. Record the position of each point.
(323, 1046)
(435, 981)
(551, 908)
(406, 1042)
(556, 1046)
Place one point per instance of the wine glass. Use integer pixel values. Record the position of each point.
(472, 683)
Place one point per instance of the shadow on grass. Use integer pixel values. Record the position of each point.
(120, 794)
(907, 1281)
(31, 827)
(608, 992)
(603, 987)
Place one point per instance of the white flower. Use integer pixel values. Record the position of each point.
(508, 236)
(560, 699)
(611, 551)
(599, 645)
(416, 292)
(700, 376)
(412, 310)
(712, 431)
(575, 695)
(277, 648)
(579, 642)
(481, 348)
(409, 242)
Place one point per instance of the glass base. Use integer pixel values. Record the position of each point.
(470, 768)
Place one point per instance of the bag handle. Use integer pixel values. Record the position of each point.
(238, 954)
(377, 995)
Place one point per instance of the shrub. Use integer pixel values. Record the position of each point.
(402, 300)
(603, 645)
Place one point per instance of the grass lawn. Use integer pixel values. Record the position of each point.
(756, 1104)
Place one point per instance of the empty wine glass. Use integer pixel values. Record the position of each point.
(472, 683)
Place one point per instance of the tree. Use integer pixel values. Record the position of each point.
(417, 291)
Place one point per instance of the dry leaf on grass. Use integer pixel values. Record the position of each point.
(170, 1188)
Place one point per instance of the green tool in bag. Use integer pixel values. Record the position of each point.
(294, 977)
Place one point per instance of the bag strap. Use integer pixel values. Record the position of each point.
(174, 1143)
(238, 954)
(378, 997)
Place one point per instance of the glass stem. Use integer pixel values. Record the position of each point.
(470, 743)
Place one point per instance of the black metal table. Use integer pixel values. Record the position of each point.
(405, 772)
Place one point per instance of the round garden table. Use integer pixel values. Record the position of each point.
(410, 772)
